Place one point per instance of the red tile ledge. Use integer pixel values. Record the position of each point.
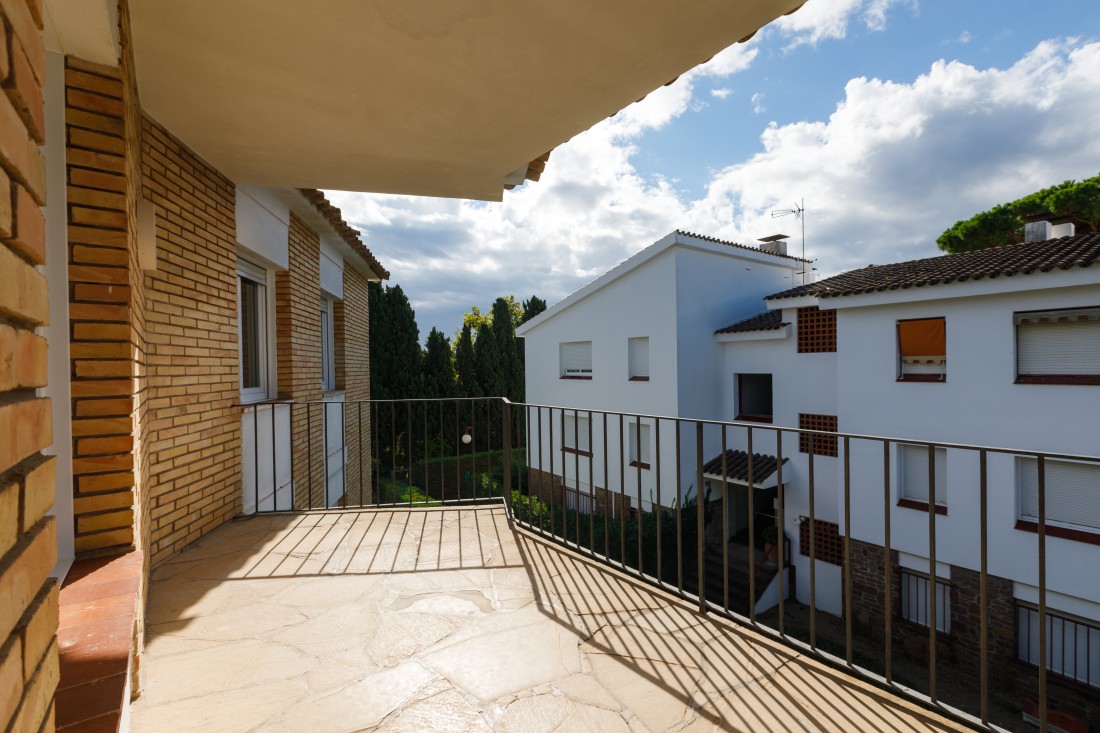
(98, 603)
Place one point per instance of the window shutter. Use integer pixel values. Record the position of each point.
(576, 359)
(577, 433)
(1072, 491)
(914, 473)
(1058, 347)
(639, 357)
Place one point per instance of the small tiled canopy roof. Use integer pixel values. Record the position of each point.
(349, 234)
(737, 466)
(1064, 253)
(766, 321)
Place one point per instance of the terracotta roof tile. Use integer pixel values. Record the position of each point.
(735, 244)
(349, 233)
(1064, 253)
(766, 321)
(737, 466)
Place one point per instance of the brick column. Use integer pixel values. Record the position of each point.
(28, 545)
(100, 295)
(298, 335)
(353, 376)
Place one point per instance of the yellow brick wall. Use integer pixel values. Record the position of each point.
(193, 382)
(28, 548)
(298, 336)
(353, 375)
(101, 296)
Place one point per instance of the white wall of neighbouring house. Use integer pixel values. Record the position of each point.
(979, 404)
(801, 383)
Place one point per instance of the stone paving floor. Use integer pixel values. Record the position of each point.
(452, 620)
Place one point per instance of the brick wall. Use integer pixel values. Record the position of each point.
(101, 295)
(298, 335)
(352, 347)
(28, 547)
(193, 382)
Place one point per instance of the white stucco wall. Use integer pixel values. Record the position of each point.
(801, 383)
(677, 299)
(978, 404)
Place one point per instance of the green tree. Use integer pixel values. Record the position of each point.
(396, 357)
(1076, 201)
(532, 308)
(465, 367)
(489, 363)
(439, 370)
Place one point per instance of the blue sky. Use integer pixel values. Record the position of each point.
(892, 118)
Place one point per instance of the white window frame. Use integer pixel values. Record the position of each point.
(1058, 509)
(918, 492)
(573, 365)
(257, 275)
(913, 600)
(328, 344)
(1078, 661)
(578, 427)
(640, 452)
(1038, 344)
(638, 357)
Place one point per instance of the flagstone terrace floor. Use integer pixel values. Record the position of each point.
(454, 620)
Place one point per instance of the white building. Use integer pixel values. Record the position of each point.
(997, 348)
(637, 342)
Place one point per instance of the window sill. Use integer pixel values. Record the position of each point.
(754, 418)
(639, 379)
(1074, 379)
(922, 506)
(1077, 535)
(927, 378)
(577, 452)
(573, 376)
(639, 464)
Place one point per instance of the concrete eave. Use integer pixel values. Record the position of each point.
(774, 334)
(428, 98)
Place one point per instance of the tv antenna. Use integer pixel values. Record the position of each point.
(798, 211)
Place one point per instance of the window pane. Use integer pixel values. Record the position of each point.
(576, 359)
(914, 473)
(754, 395)
(639, 356)
(1072, 491)
(251, 334)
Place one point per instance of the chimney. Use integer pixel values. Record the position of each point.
(774, 244)
(1043, 229)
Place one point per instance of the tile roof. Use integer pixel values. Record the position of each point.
(349, 233)
(705, 238)
(766, 321)
(737, 466)
(1027, 258)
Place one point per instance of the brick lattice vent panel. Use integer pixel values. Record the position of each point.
(829, 545)
(823, 445)
(816, 330)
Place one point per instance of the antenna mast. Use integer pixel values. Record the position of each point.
(798, 211)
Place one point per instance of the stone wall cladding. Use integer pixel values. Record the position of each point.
(298, 335)
(28, 545)
(1011, 681)
(353, 376)
(193, 376)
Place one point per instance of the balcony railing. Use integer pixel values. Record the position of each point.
(698, 508)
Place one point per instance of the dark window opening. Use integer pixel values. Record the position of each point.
(754, 397)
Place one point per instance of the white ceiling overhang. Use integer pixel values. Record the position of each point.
(437, 98)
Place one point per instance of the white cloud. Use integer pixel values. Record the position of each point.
(758, 103)
(894, 165)
(898, 163)
(964, 37)
(722, 93)
(820, 20)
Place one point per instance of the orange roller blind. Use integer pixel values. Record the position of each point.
(926, 337)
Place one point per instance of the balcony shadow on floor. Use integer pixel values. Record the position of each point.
(247, 583)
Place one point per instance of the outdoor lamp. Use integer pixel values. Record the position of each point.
(468, 436)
